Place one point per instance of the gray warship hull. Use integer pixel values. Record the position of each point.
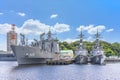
(31, 55)
(80, 59)
(99, 59)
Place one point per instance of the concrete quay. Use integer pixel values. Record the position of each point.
(112, 60)
(59, 62)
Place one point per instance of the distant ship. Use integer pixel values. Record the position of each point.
(81, 54)
(38, 52)
(97, 52)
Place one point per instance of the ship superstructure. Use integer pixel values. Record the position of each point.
(97, 52)
(81, 54)
(38, 51)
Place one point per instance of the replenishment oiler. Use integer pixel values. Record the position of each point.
(81, 54)
(97, 52)
(38, 52)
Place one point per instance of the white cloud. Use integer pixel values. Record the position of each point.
(1, 13)
(61, 27)
(73, 40)
(110, 30)
(90, 39)
(91, 29)
(68, 40)
(4, 28)
(53, 16)
(32, 27)
(35, 27)
(21, 14)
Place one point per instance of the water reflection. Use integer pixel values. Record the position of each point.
(11, 71)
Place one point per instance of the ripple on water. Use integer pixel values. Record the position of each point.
(11, 71)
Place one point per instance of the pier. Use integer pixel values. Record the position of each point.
(59, 62)
(7, 57)
(112, 60)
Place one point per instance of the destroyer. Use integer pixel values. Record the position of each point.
(38, 51)
(97, 52)
(81, 53)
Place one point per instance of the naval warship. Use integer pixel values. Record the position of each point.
(97, 52)
(38, 51)
(81, 54)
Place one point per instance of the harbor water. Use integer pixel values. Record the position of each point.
(9, 70)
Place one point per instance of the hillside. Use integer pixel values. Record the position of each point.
(111, 49)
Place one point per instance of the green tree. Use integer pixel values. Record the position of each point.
(109, 49)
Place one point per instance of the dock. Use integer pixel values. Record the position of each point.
(112, 60)
(59, 62)
(7, 57)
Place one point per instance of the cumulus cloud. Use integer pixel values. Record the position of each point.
(53, 16)
(1, 13)
(110, 30)
(90, 39)
(91, 29)
(35, 27)
(21, 14)
(4, 28)
(68, 40)
(61, 27)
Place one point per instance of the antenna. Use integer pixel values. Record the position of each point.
(97, 35)
(13, 27)
(49, 34)
(81, 37)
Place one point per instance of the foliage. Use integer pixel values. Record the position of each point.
(110, 49)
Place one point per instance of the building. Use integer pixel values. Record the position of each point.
(66, 55)
(11, 38)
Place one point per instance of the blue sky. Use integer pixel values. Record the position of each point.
(65, 17)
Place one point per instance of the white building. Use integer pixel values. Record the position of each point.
(11, 38)
(66, 55)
